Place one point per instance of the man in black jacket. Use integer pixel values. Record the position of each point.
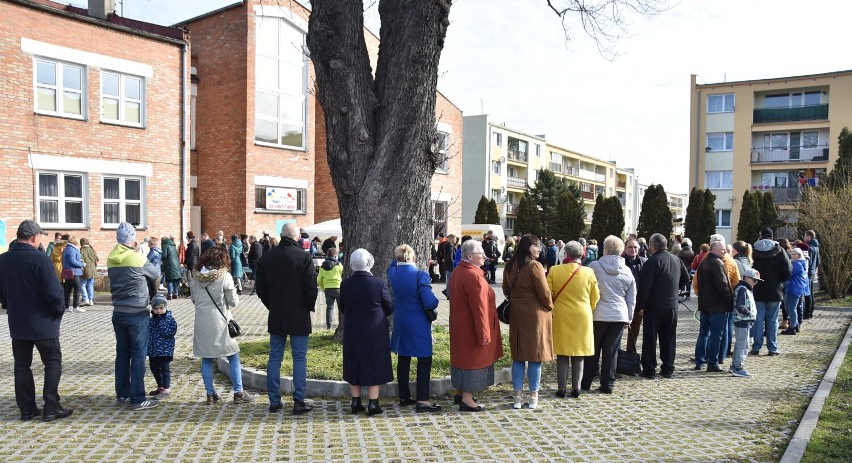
(634, 262)
(254, 254)
(714, 303)
(659, 283)
(813, 266)
(775, 268)
(35, 303)
(492, 253)
(286, 283)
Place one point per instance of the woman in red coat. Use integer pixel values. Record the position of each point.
(475, 342)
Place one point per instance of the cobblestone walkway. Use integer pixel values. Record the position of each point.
(696, 416)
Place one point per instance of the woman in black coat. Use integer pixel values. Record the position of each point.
(366, 303)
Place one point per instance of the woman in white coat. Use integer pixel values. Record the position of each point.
(614, 310)
(213, 293)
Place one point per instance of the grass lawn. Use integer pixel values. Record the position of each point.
(832, 438)
(821, 299)
(325, 356)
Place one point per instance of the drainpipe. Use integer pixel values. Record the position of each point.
(698, 149)
(184, 120)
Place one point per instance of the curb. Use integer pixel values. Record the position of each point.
(256, 379)
(796, 449)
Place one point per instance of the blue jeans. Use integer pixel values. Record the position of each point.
(234, 370)
(795, 308)
(131, 347)
(712, 329)
(725, 345)
(299, 349)
(533, 370)
(741, 347)
(767, 312)
(172, 287)
(87, 288)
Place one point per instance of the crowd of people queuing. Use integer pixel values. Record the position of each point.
(571, 303)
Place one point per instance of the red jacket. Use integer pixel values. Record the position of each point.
(475, 340)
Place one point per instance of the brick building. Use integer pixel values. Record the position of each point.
(91, 122)
(258, 152)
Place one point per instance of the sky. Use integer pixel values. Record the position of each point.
(510, 59)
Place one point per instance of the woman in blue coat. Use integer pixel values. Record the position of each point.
(365, 302)
(412, 330)
(795, 290)
(72, 259)
(236, 252)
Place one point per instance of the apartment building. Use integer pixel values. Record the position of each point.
(501, 162)
(92, 122)
(259, 156)
(775, 134)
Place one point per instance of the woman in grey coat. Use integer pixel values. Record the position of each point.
(213, 293)
(613, 311)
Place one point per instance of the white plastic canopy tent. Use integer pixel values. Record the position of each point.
(325, 229)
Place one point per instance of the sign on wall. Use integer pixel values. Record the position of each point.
(281, 199)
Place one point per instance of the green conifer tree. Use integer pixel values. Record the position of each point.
(547, 188)
(481, 214)
(600, 219)
(493, 214)
(750, 221)
(570, 216)
(528, 218)
(769, 212)
(708, 218)
(691, 222)
(615, 224)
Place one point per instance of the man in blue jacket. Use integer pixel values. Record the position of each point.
(35, 302)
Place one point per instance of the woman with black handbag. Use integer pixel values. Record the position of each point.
(415, 308)
(213, 293)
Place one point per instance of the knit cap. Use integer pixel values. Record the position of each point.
(125, 234)
(159, 300)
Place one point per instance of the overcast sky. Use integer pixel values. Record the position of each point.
(510, 59)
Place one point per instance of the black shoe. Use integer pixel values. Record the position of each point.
(575, 393)
(699, 367)
(275, 408)
(356, 405)
(797, 329)
(774, 354)
(585, 388)
(373, 408)
(560, 393)
(754, 353)
(789, 331)
(458, 399)
(300, 407)
(714, 369)
(56, 414)
(427, 408)
(605, 389)
(409, 401)
(667, 374)
(647, 375)
(239, 292)
(463, 407)
(29, 415)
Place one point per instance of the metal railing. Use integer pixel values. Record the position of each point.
(762, 154)
(515, 182)
(791, 113)
(622, 185)
(511, 208)
(556, 167)
(515, 155)
(587, 195)
(589, 175)
(570, 170)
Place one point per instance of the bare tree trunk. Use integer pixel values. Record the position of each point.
(381, 135)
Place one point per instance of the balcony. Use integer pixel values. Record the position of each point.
(512, 208)
(589, 175)
(587, 195)
(569, 170)
(622, 185)
(791, 114)
(515, 182)
(761, 155)
(517, 156)
(556, 167)
(784, 195)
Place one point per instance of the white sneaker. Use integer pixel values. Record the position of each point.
(519, 401)
(78, 310)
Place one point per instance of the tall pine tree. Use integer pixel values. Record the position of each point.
(547, 188)
(615, 224)
(750, 220)
(841, 175)
(708, 218)
(600, 219)
(570, 217)
(493, 216)
(655, 215)
(528, 219)
(481, 215)
(692, 221)
(769, 211)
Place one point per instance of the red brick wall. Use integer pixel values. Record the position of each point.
(23, 132)
(227, 158)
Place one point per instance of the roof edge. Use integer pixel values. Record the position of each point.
(209, 13)
(777, 79)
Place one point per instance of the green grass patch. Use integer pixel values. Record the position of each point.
(325, 355)
(821, 298)
(832, 439)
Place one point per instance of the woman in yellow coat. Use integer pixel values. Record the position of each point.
(573, 335)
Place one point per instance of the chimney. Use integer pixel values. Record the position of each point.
(101, 8)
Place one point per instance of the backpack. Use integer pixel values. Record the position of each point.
(591, 255)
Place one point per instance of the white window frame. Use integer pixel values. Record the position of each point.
(723, 178)
(509, 221)
(725, 137)
(123, 98)
(496, 195)
(282, 93)
(726, 107)
(495, 167)
(720, 214)
(443, 147)
(60, 89)
(122, 200)
(61, 199)
(498, 138)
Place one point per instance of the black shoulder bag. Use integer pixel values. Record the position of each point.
(504, 310)
(431, 314)
(233, 327)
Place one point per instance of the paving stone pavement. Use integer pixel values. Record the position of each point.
(694, 417)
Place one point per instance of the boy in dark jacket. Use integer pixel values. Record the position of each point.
(161, 346)
(745, 311)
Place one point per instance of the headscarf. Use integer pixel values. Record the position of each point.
(361, 260)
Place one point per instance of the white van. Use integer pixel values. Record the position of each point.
(476, 230)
